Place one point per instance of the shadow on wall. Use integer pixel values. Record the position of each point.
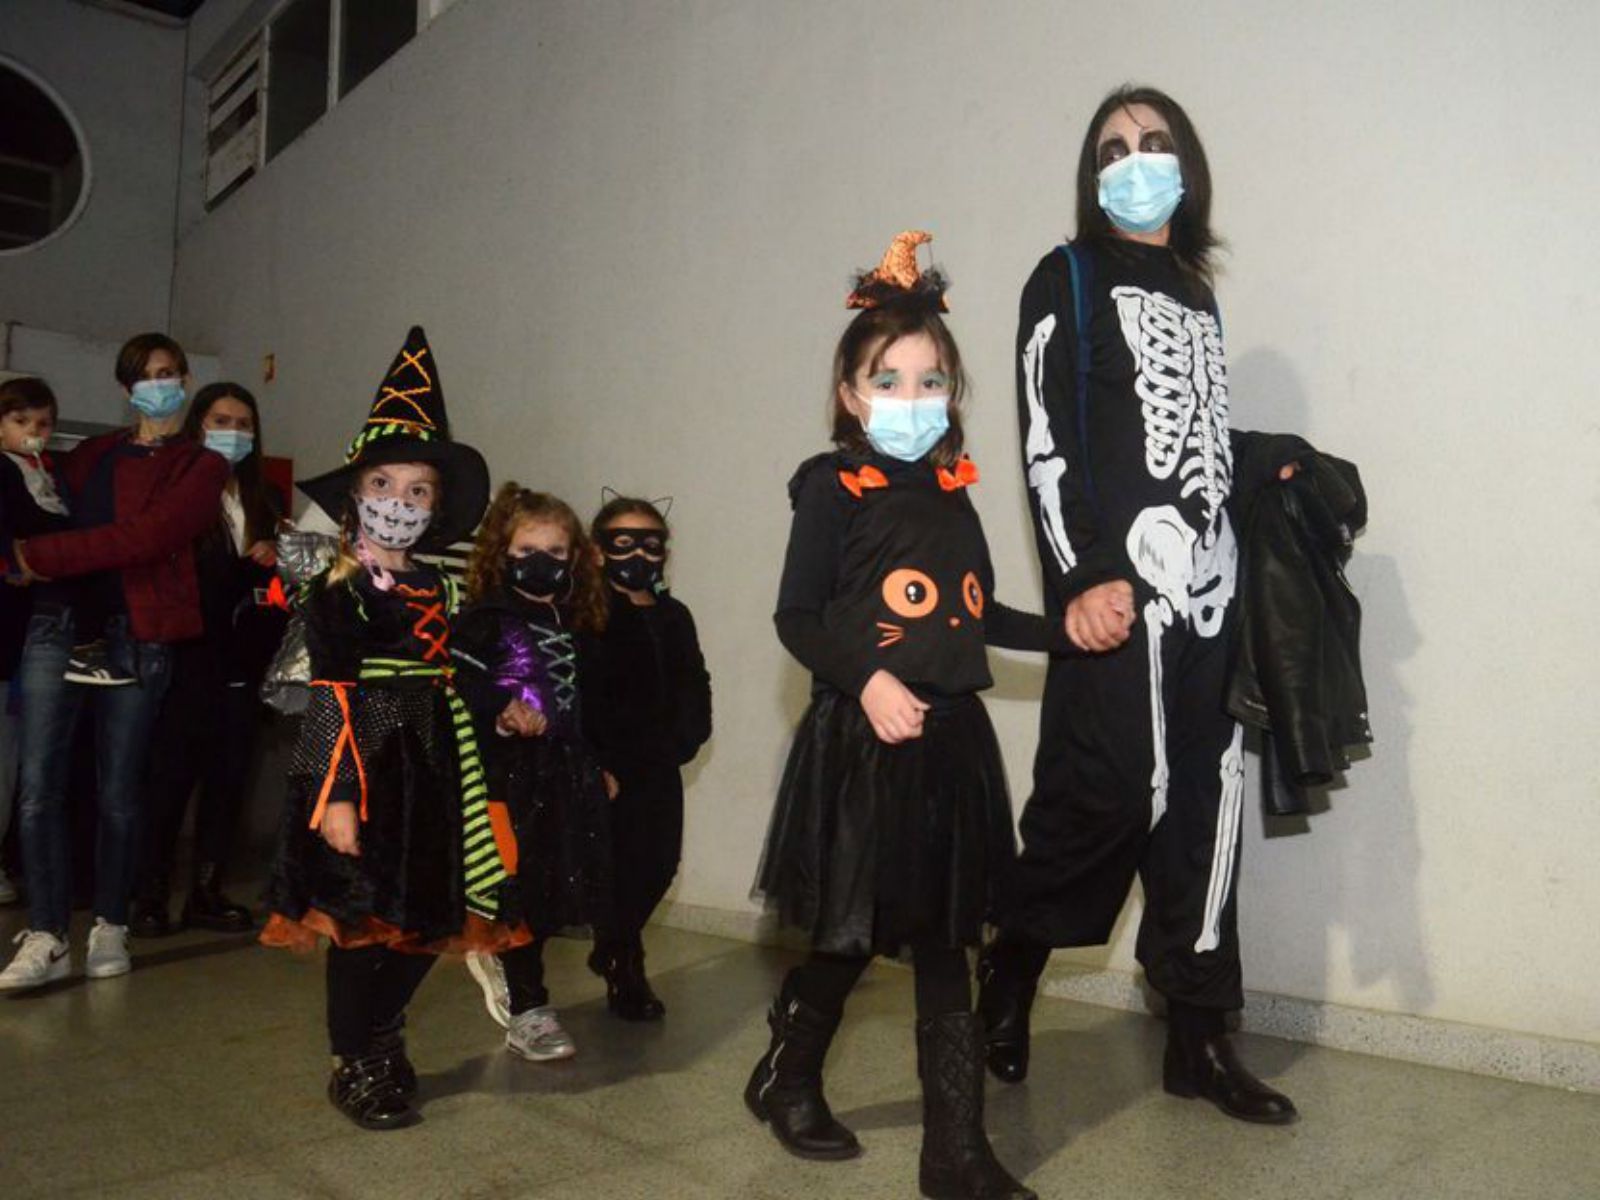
(1370, 889)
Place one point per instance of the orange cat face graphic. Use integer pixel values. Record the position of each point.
(920, 607)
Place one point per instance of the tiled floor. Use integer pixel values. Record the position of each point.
(201, 1075)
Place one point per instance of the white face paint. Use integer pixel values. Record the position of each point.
(391, 522)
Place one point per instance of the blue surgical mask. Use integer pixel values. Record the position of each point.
(907, 429)
(233, 444)
(158, 397)
(1141, 192)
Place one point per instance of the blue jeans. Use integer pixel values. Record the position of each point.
(123, 719)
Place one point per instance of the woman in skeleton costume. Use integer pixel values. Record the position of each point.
(1123, 400)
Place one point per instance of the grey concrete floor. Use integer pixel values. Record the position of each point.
(201, 1075)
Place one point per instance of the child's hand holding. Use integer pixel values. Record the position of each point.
(520, 719)
(893, 708)
(341, 829)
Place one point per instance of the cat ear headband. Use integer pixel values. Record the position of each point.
(663, 505)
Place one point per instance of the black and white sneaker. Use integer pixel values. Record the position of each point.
(91, 664)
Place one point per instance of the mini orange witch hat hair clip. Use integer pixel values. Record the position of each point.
(898, 276)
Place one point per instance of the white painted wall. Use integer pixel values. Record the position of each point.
(110, 275)
(628, 229)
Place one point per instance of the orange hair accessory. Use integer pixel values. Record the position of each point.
(898, 272)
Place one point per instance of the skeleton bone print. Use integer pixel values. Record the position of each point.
(1045, 466)
(1182, 385)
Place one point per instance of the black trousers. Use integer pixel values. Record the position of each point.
(368, 989)
(646, 844)
(1106, 807)
(205, 736)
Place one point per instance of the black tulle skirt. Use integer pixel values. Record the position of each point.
(873, 847)
(405, 889)
(556, 798)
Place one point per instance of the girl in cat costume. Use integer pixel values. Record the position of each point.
(387, 848)
(892, 828)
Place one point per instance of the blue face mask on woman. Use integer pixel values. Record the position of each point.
(907, 429)
(233, 444)
(157, 397)
(1141, 192)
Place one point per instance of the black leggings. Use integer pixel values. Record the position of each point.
(943, 985)
(524, 968)
(368, 989)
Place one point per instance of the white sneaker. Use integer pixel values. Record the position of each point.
(42, 959)
(108, 951)
(538, 1036)
(491, 977)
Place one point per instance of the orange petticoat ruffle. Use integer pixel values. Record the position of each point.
(478, 935)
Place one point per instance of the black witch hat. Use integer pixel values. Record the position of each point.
(408, 424)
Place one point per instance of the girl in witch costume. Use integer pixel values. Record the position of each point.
(648, 713)
(535, 583)
(386, 847)
(892, 828)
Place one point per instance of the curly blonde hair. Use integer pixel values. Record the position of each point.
(514, 506)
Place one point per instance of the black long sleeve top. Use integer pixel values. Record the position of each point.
(887, 568)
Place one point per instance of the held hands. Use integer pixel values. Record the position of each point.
(893, 708)
(341, 829)
(1101, 618)
(612, 786)
(520, 719)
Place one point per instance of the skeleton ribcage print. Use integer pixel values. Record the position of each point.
(1182, 385)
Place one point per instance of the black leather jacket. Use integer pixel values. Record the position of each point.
(1296, 657)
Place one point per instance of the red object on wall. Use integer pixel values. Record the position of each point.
(279, 475)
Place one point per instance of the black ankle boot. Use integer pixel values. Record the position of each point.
(389, 1045)
(208, 908)
(628, 992)
(149, 918)
(957, 1160)
(785, 1089)
(1201, 1062)
(1005, 1000)
(365, 1090)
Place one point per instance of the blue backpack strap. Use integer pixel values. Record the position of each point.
(1082, 270)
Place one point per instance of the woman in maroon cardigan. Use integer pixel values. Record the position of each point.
(139, 497)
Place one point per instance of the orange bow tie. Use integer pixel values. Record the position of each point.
(868, 477)
(965, 475)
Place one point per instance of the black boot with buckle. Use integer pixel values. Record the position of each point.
(365, 1090)
(1201, 1063)
(1005, 1002)
(785, 1089)
(208, 908)
(389, 1044)
(957, 1160)
(628, 991)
